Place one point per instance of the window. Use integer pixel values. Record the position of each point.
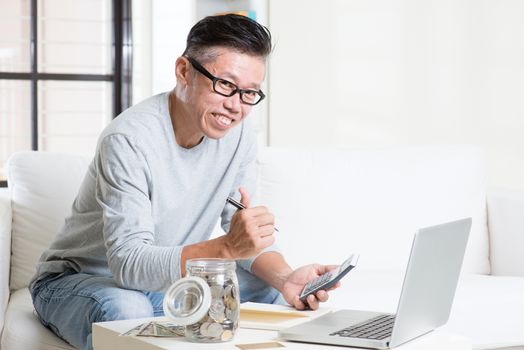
(65, 72)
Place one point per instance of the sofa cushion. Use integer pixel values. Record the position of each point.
(506, 226)
(23, 330)
(330, 202)
(5, 252)
(43, 186)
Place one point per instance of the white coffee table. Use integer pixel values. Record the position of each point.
(106, 336)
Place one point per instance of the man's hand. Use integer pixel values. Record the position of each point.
(251, 230)
(296, 281)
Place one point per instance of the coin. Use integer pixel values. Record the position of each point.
(216, 310)
(231, 315)
(228, 325)
(228, 291)
(214, 330)
(226, 335)
(230, 303)
(203, 328)
(217, 292)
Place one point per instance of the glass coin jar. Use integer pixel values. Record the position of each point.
(206, 301)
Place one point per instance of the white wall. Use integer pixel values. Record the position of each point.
(142, 48)
(388, 72)
(171, 21)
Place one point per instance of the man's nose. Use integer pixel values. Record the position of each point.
(233, 103)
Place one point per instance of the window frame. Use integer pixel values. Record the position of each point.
(122, 62)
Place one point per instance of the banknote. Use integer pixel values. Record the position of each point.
(155, 329)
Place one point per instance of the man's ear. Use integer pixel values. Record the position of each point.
(182, 70)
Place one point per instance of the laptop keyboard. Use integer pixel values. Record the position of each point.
(379, 327)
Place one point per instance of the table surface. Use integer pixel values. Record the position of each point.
(106, 336)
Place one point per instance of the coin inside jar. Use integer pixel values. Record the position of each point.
(227, 335)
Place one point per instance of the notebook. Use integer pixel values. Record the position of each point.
(274, 317)
(425, 302)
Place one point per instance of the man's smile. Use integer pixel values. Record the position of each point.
(222, 119)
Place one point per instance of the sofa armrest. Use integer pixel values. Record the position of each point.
(5, 254)
(506, 232)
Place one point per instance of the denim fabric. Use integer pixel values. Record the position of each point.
(68, 303)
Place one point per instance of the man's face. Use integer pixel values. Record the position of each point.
(214, 115)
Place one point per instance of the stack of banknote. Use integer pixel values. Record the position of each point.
(156, 329)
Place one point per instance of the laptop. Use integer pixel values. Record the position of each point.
(425, 301)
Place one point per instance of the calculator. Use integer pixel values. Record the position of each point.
(329, 279)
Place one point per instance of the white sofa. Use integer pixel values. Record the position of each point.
(327, 203)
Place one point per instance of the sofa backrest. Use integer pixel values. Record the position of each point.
(330, 202)
(327, 202)
(42, 186)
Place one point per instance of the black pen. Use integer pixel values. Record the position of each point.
(239, 205)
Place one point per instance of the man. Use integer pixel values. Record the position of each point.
(156, 187)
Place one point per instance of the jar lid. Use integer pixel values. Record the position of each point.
(187, 301)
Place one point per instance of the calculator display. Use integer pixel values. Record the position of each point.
(345, 264)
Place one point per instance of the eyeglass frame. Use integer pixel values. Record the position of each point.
(214, 79)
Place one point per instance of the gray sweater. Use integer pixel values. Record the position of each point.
(144, 197)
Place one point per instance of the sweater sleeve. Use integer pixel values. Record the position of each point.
(122, 190)
(246, 177)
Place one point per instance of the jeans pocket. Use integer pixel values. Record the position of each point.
(54, 285)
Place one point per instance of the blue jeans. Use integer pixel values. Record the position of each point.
(68, 303)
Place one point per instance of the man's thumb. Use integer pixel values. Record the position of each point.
(244, 197)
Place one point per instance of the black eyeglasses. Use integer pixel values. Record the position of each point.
(226, 88)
